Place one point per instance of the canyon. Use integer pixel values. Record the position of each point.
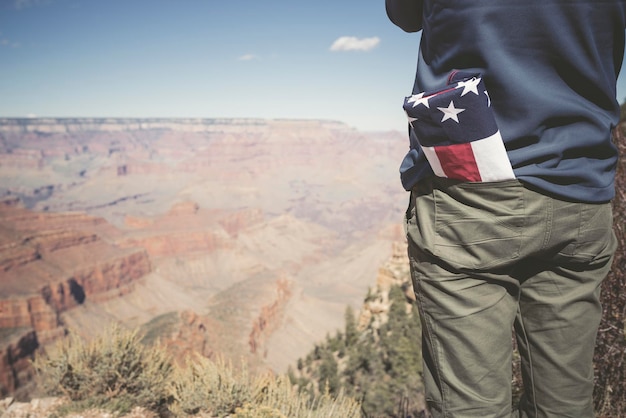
(243, 238)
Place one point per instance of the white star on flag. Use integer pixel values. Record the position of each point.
(450, 112)
(419, 99)
(469, 85)
(411, 119)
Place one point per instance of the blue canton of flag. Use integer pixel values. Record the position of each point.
(458, 133)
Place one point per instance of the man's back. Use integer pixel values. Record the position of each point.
(550, 67)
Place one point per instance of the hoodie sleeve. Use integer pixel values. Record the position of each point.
(406, 14)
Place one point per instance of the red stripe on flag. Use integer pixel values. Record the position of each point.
(458, 162)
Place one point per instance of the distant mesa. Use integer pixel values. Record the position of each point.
(73, 125)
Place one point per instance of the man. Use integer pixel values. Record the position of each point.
(528, 248)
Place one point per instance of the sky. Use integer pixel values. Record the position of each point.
(306, 59)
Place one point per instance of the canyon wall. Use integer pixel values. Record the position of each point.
(48, 266)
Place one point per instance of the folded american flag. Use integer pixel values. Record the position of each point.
(458, 133)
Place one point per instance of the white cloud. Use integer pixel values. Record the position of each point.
(247, 57)
(352, 43)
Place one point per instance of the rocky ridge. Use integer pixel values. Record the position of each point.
(47, 269)
(71, 125)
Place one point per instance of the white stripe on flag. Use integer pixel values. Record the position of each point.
(492, 159)
(433, 160)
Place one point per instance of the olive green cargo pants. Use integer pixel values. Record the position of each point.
(487, 258)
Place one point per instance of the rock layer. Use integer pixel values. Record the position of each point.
(46, 272)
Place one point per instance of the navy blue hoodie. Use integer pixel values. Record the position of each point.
(550, 67)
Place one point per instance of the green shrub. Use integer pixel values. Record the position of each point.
(114, 372)
(380, 366)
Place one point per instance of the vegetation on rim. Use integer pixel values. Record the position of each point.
(379, 365)
(116, 372)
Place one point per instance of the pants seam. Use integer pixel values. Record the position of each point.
(436, 355)
(531, 375)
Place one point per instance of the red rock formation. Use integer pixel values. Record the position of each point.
(50, 263)
(187, 229)
(192, 337)
(18, 312)
(50, 241)
(20, 219)
(241, 220)
(177, 242)
(394, 272)
(184, 209)
(15, 362)
(15, 256)
(270, 317)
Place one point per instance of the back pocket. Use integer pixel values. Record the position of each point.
(479, 226)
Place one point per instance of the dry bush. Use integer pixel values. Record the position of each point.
(114, 372)
(280, 395)
(216, 388)
(213, 387)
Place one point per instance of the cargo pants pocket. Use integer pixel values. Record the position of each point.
(478, 226)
